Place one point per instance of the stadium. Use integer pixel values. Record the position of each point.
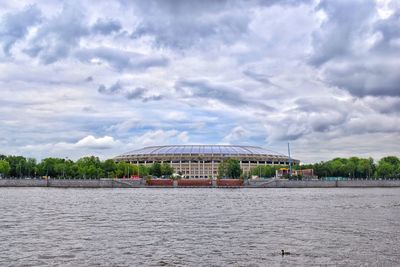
(201, 161)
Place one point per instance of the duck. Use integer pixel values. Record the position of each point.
(285, 252)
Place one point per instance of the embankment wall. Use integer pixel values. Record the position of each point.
(321, 184)
(128, 183)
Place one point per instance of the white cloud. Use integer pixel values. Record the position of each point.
(159, 137)
(96, 143)
(238, 133)
(88, 145)
(183, 137)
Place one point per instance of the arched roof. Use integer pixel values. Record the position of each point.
(201, 150)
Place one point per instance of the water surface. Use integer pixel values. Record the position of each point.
(199, 227)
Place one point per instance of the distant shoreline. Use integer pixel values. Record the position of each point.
(223, 183)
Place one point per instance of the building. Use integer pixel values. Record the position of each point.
(201, 161)
(304, 173)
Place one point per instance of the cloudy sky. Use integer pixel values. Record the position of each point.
(104, 77)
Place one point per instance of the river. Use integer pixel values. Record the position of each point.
(199, 227)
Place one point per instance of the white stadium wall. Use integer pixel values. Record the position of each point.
(202, 161)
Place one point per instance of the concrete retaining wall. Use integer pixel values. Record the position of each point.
(81, 183)
(73, 183)
(23, 183)
(321, 184)
(129, 183)
(369, 183)
(304, 184)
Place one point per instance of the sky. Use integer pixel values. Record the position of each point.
(99, 77)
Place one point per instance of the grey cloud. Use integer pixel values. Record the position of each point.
(181, 24)
(14, 26)
(142, 94)
(55, 39)
(262, 78)
(323, 114)
(113, 89)
(282, 2)
(308, 117)
(122, 60)
(106, 26)
(204, 89)
(390, 33)
(380, 78)
(136, 93)
(89, 109)
(346, 21)
(139, 93)
(343, 55)
(153, 98)
(384, 105)
(332, 117)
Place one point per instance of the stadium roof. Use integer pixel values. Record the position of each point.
(202, 149)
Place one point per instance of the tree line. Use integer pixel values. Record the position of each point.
(353, 167)
(93, 168)
(84, 168)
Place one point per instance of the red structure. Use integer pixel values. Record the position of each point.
(160, 182)
(194, 182)
(230, 182)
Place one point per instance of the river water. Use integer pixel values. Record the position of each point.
(199, 227)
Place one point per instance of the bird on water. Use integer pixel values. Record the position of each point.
(285, 252)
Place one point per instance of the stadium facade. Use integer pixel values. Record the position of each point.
(201, 161)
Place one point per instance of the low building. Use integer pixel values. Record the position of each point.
(201, 161)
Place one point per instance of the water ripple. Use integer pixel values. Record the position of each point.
(199, 227)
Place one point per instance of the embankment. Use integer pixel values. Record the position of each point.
(131, 183)
(71, 183)
(320, 184)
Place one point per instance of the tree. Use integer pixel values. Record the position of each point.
(385, 169)
(4, 168)
(109, 167)
(388, 167)
(166, 169)
(392, 160)
(30, 167)
(90, 167)
(229, 168)
(143, 170)
(263, 171)
(16, 165)
(124, 169)
(155, 169)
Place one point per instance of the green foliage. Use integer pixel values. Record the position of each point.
(166, 169)
(229, 168)
(354, 167)
(143, 171)
(155, 169)
(159, 170)
(265, 171)
(109, 167)
(90, 168)
(93, 168)
(126, 170)
(4, 168)
(388, 167)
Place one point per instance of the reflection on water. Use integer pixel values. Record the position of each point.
(199, 227)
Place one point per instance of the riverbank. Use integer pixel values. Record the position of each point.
(223, 183)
